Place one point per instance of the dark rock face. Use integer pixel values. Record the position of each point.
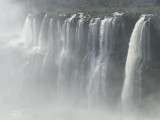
(151, 70)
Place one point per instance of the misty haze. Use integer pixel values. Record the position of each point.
(79, 59)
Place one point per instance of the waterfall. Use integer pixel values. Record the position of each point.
(79, 68)
(73, 58)
(27, 36)
(50, 35)
(45, 70)
(78, 62)
(35, 42)
(138, 54)
(93, 36)
(43, 35)
(66, 58)
(79, 35)
(99, 66)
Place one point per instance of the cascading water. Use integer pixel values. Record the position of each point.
(63, 61)
(98, 79)
(43, 35)
(27, 34)
(78, 69)
(66, 59)
(138, 54)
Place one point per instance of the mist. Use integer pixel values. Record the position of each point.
(11, 16)
(78, 66)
